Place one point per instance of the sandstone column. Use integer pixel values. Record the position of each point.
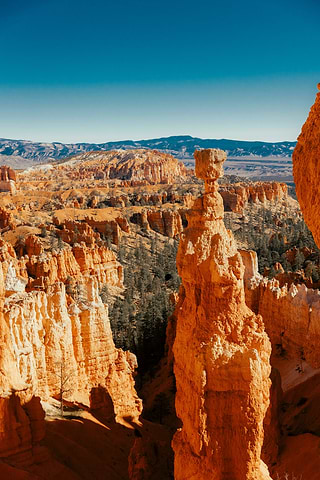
(221, 352)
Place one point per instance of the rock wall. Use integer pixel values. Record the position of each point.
(7, 221)
(221, 352)
(22, 428)
(291, 314)
(129, 168)
(44, 332)
(21, 415)
(306, 169)
(47, 333)
(64, 323)
(237, 196)
(74, 231)
(72, 264)
(166, 222)
(7, 179)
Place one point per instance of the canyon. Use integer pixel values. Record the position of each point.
(221, 352)
(233, 396)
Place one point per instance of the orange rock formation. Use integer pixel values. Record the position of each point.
(7, 179)
(291, 313)
(306, 169)
(221, 352)
(78, 332)
(132, 167)
(238, 195)
(167, 222)
(41, 330)
(6, 219)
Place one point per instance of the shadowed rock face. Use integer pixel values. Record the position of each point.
(306, 169)
(7, 179)
(221, 352)
(7, 173)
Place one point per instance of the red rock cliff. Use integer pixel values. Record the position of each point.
(7, 179)
(306, 169)
(47, 327)
(132, 167)
(39, 331)
(237, 196)
(291, 314)
(221, 352)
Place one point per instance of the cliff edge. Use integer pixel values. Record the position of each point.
(306, 170)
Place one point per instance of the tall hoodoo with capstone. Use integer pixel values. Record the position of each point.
(221, 351)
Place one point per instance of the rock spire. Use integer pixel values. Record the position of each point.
(221, 352)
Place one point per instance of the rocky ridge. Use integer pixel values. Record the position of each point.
(238, 195)
(55, 333)
(291, 313)
(306, 169)
(131, 167)
(182, 146)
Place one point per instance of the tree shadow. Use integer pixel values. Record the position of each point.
(91, 444)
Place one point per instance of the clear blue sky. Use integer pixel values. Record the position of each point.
(76, 70)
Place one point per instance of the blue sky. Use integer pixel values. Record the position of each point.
(99, 70)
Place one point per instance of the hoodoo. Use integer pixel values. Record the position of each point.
(7, 179)
(221, 351)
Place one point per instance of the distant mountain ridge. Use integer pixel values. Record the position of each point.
(181, 147)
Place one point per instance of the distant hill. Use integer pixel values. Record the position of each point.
(181, 147)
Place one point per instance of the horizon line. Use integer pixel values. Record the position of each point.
(146, 139)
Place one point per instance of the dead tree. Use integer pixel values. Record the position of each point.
(65, 378)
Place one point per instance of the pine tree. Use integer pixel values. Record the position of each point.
(80, 294)
(299, 260)
(44, 232)
(104, 294)
(60, 243)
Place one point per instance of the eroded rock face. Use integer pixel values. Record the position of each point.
(46, 331)
(306, 169)
(7, 173)
(7, 179)
(68, 263)
(221, 352)
(43, 330)
(66, 324)
(167, 222)
(22, 428)
(130, 167)
(6, 219)
(291, 313)
(237, 196)
(21, 415)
